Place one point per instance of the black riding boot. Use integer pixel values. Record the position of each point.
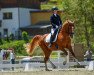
(51, 41)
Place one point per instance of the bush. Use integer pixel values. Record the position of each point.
(17, 45)
(25, 36)
(1, 42)
(11, 37)
(19, 48)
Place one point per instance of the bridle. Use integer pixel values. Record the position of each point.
(70, 29)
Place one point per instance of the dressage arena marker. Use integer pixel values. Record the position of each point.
(91, 65)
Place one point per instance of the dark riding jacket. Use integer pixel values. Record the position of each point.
(55, 20)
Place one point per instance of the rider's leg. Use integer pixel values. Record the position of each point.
(50, 42)
(51, 38)
(56, 32)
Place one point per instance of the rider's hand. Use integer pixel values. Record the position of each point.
(56, 26)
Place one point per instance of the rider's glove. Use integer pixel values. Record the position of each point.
(56, 26)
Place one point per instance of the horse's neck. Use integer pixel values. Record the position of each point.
(63, 31)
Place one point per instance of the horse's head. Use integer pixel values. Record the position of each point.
(68, 27)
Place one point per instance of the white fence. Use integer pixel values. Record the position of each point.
(11, 65)
(37, 65)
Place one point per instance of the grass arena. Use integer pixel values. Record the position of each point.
(54, 72)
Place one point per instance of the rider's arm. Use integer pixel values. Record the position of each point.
(52, 22)
(60, 20)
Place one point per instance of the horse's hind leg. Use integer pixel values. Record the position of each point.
(47, 53)
(52, 64)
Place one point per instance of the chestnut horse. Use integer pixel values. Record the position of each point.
(63, 41)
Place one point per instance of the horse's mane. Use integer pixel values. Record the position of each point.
(66, 22)
(65, 25)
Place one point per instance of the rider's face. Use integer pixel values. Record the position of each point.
(55, 11)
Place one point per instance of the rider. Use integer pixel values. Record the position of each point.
(56, 23)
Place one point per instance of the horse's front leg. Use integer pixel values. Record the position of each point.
(66, 54)
(71, 50)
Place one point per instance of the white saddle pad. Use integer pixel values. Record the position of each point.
(47, 39)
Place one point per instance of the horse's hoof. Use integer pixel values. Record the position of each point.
(54, 67)
(64, 63)
(48, 70)
(78, 64)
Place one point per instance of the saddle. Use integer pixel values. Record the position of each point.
(53, 35)
(54, 38)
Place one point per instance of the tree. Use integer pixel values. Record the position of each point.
(83, 12)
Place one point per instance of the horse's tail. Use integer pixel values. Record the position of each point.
(33, 44)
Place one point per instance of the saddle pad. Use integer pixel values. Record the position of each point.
(47, 39)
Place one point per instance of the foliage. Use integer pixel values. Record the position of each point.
(19, 48)
(49, 4)
(16, 45)
(25, 36)
(1, 42)
(7, 39)
(11, 37)
(82, 12)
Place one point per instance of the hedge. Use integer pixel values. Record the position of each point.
(17, 45)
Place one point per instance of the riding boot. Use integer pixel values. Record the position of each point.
(50, 42)
(56, 31)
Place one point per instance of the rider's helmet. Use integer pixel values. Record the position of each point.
(54, 8)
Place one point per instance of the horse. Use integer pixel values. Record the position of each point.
(63, 41)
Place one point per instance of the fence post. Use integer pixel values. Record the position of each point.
(58, 59)
(91, 65)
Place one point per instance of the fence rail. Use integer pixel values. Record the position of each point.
(38, 65)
